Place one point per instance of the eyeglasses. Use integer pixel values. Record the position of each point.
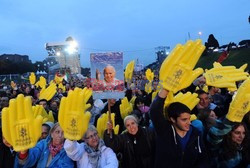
(92, 136)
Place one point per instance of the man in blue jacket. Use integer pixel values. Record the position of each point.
(178, 144)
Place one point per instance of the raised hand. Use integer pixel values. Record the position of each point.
(189, 99)
(13, 85)
(20, 128)
(61, 86)
(32, 78)
(49, 92)
(103, 123)
(225, 76)
(132, 100)
(125, 107)
(39, 110)
(129, 71)
(149, 75)
(58, 79)
(154, 94)
(240, 105)
(148, 87)
(42, 82)
(176, 71)
(72, 116)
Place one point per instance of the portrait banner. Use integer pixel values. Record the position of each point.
(107, 78)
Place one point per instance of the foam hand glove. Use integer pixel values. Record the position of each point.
(132, 100)
(101, 124)
(58, 79)
(48, 93)
(240, 105)
(39, 110)
(193, 117)
(32, 78)
(42, 82)
(154, 94)
(72, 116)
(13, 85)
(19, 126)
(205, 88)
(176, 71)
(225, 76)
(51, 117)
(149, 75)
(125, 107)
(189, 99)
(148, 87)
(37, 84)
(61, 86)
(129, 71)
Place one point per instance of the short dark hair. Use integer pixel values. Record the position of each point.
(42, 101)
(175, 109)
(138, 100)
(200, 91)
(47, 126)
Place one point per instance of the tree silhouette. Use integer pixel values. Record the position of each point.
(211, 42)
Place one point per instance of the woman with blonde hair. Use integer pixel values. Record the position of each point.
(48, 152)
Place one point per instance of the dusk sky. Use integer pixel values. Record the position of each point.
(134, 27)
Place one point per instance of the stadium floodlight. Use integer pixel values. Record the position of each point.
(72, 47)
(199, 33)
(58, 53)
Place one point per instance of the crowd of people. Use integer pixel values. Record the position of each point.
(146, 138)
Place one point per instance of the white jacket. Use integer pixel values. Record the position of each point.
(76, 152)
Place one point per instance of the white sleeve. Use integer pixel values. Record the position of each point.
(111, 159)
(74, 150)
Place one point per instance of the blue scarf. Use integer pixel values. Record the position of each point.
(94, 154)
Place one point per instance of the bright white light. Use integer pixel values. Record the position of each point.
(70, 49)
(58, 53)
(200, 33)
(73, 44)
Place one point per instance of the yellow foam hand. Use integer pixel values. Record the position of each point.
(58, 79)
(132, 100)
(148, 87)
(154, 94)
(72, 116)
(87, 93)
(42, 82)
(48, 93)
(32, 78)
(176, 71)
(205, 88)
(13, 84)
(193, 117)
(189, 99)
(116, 129)
(61, 86)
(39, 110)
(240, 105)
(149, 75)
(37, 84)
(129, 71)
(225, 76)
(125, 107)
(51, 117)
(102, 122)
(20, 128)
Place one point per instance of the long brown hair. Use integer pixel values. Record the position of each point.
(230, 148)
